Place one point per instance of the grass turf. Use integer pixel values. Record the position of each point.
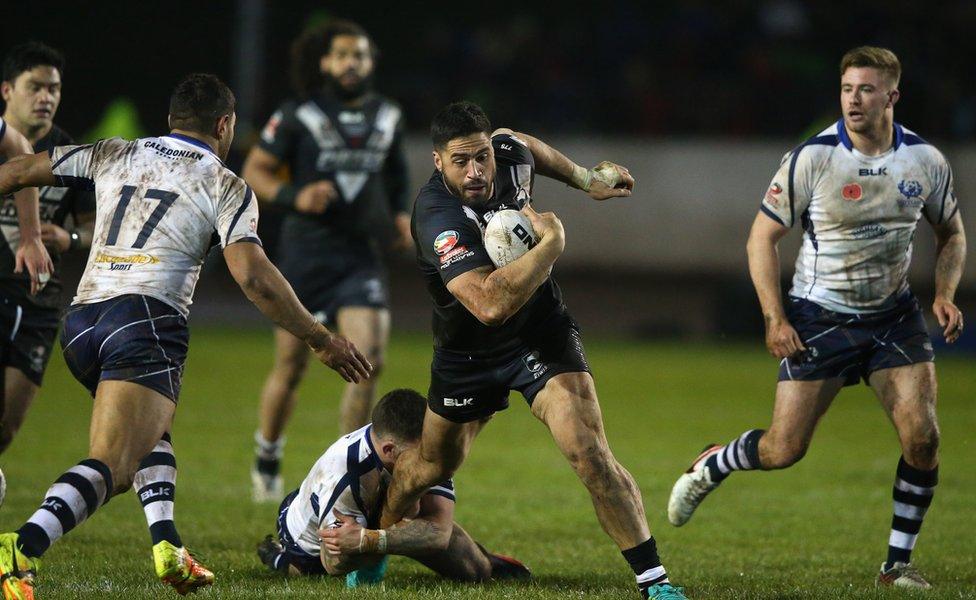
(817, 530)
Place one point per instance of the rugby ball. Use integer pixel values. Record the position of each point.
(508, 235)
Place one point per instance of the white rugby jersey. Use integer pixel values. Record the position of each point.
(858, 215)
(349, 479)
(161, 203)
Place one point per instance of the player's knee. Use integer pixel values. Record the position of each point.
(291, 368)
(922, 448)
(784, 452)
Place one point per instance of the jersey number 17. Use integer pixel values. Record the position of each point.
(166, 200)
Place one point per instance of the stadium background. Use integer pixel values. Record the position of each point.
(700, 100)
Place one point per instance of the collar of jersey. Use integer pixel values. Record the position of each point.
(193, 141)
(845, 139)
(372, 451)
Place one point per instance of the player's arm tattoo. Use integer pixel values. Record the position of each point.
(950, 257)
(418, 536)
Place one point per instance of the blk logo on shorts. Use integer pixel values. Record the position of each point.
(458, 402)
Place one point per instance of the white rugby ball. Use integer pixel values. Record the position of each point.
(508, 235)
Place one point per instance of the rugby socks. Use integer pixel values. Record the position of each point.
(741, 454)
(912, 495)
(155, 486)
(643, 559)
(78, 493)
(268, 454)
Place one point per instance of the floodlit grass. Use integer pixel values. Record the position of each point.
(818, 530)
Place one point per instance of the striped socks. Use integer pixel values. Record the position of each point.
(155, 486)
(912, 494)
(741, 454)
(78, 493)
(646, 564)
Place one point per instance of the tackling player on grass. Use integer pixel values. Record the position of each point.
(324, 525)
(858, 189)
(497, 330)
(162, 202)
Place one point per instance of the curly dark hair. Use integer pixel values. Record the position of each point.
(314, 43)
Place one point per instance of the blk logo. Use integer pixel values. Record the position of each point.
(458, 402)
(872, 172)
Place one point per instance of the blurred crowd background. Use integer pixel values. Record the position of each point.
(699, 98)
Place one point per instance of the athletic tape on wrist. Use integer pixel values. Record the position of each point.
(582, 178)
(372, 541)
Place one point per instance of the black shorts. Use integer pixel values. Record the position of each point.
(465, 387)
(853, 346)
(28, 334)
(129, 338)
(325, 287)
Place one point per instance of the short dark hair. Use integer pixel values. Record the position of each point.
(315, 42)
(458, 119)
(400, 415)
(198, 101)
(26, 56)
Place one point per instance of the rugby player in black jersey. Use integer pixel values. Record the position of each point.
(342, 144)
(31, 90)
(503, 329)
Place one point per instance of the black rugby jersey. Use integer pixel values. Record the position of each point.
(56, 204)
(448, 236)
(360, 150)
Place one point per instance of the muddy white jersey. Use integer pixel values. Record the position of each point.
(349, 479)
(161, 204)
(858, 215)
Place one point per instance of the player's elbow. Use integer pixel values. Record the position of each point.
(492, 315)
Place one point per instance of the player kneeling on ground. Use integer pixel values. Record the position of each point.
(323, 525)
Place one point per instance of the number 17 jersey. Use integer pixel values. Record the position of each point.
(161, 204)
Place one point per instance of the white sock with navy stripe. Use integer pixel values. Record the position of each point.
(741, 454)
(155, 486)
(74, 497)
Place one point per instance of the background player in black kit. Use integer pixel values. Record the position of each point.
(348, 189)
(31, 89)
(497, 330)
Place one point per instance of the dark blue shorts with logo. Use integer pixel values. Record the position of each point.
(293, 554)
(467, 387)
(853, 346)
(128, 338)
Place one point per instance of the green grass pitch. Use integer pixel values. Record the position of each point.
(818, 530)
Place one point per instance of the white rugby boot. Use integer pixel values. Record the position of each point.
(691, 488)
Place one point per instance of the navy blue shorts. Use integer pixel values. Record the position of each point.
(853, 346)
(465, 387)
(293, 555)
(128, 338)
(27, 334)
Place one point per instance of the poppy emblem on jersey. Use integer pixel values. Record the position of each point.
(852, 191)
(910, 189)
(445, 242)
(773, 191)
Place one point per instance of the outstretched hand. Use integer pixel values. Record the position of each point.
(342, 356)
(610, 180)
